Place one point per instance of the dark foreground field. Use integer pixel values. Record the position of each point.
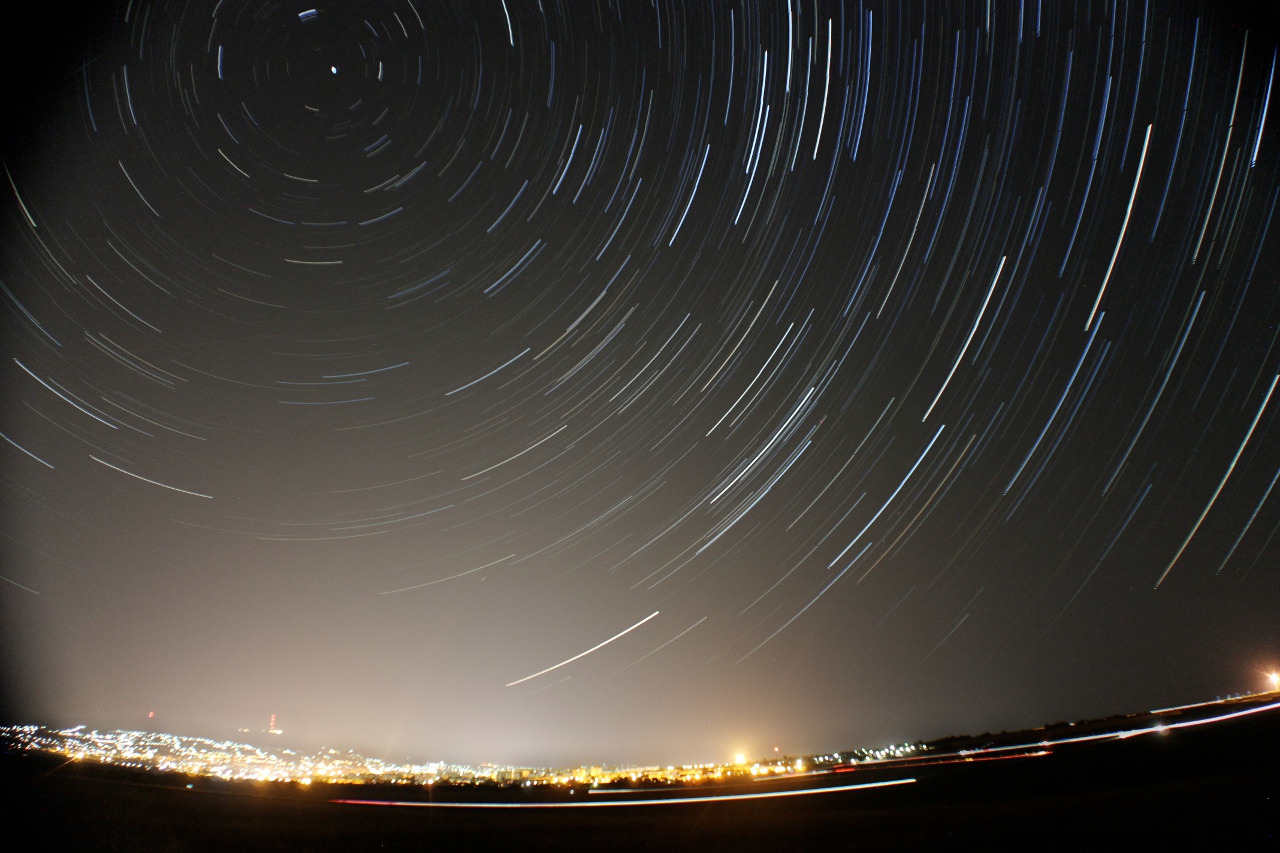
(1215, 787)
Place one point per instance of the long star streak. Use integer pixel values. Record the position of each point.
(584, 654)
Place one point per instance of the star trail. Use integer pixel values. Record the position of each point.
(892, 369)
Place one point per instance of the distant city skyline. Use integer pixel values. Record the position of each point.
(229, 760)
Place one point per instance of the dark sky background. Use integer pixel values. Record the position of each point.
(830, 374)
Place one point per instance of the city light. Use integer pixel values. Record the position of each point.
(232, 761)
(228, 760)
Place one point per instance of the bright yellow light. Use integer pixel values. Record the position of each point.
(1274, 678)
(742, 759)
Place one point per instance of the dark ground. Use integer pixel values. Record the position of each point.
(1211, 788)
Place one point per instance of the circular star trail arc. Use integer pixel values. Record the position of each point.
(912, 364)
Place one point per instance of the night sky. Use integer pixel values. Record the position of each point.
(812, 375)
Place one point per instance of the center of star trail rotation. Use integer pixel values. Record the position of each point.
(912, 365)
